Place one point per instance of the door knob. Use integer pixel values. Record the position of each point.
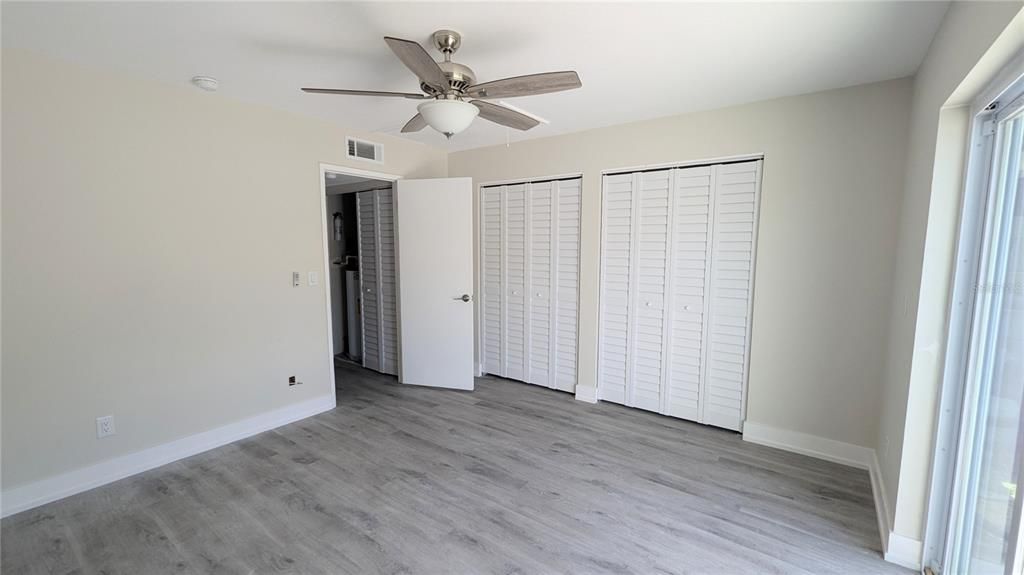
(464, 297)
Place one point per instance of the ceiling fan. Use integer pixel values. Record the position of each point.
(447, 85)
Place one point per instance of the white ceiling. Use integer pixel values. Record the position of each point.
(637, 61)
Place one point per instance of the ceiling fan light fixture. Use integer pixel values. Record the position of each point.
(448, 116)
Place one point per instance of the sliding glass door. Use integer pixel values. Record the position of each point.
(984, 530)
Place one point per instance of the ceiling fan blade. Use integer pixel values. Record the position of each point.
(409, 95)
(416, 59)
(504, 116)
(526, 85)
(415, 124)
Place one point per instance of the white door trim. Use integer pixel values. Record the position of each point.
(325, 273)
(535, 180)
(684, 164)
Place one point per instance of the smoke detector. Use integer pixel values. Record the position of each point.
(208, 83)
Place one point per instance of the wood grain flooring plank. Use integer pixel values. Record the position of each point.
(508, 479)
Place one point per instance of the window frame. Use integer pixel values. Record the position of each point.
(958, 402)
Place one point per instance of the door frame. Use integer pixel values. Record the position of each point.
(325, 168)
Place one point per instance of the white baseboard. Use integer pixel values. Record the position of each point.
(586, 393)
(895, 548)
(881, 501)
(60, 486)
(806, 444)
(904, 551)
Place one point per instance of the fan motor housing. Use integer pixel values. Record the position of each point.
(459, 76)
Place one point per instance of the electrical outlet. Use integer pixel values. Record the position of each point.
(105, 426)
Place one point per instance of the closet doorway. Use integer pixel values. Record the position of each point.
(678, 248)
(529, 247)
(361, 268)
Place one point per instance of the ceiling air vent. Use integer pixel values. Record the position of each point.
(364, 150)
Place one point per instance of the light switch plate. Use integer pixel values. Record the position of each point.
(314, 278)
(296, 279)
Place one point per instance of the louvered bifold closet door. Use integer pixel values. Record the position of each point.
(530, 244)
(677, 271)
(368, 281)
(540, 258)
(514, 294)
(491, 280)
(736, 192)
(378, 280)
(566, 265)
(616, 271)
(388, 282)
(650, 276)
(691, 226)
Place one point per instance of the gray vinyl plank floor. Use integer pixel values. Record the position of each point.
(510, 478)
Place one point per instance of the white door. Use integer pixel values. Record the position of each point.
(617, 261)
(540, 307)
(651, 195)
(691, 262)
(434, 237)
(565, 282)
(492, 282)
(515, 351)
(730, 293)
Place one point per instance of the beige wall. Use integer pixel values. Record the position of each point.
(149, 235)
(931, 200)
(833, 173)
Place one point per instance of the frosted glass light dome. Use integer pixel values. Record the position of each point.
(448, 116)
